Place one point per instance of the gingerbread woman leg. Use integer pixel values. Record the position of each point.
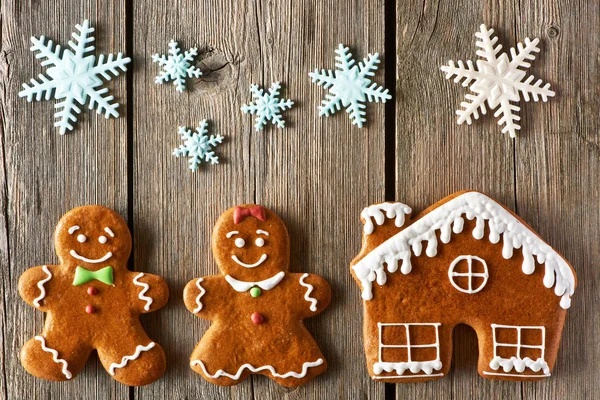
(54, 357)
(125, 356)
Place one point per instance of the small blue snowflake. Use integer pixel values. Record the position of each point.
(267, 106)
(74, 77)
(176, 66)
(350, 86)
(198, 146)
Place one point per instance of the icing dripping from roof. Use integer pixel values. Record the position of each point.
(448, 218)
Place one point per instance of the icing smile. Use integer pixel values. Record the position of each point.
(99, 260)
(243, 264)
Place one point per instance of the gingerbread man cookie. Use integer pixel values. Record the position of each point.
(93, 303)
(255, 305)
(466, 259)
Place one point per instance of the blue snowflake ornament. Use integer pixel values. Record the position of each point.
(176, 66)
(198, 146)
(74, 76)
(349, 86)
(267, 106)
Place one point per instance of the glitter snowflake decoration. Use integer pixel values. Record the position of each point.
(74, 77)
(198, 146)
(176, 66)
(350, 85)
(497, 80)
(267, 106)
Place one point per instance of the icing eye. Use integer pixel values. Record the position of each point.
(102, 239)
(81, 238)
(260, 242)
(239, 242)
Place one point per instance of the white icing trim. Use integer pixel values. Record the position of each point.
(309, 287)
(407, 376)
(448, 218)
(261, 232)
(55, 358)
(73, 229)
(40, 285)
(138, 350)
(243, 264)
(414, 366)
(87, 260)
(107, 230)
(520, 364)
(470, 274)
(516, 375)
(517, 362)
(252, 369)
(230, 234)
(267, 284)
(146, 287)
(397, 210)
(202, 291)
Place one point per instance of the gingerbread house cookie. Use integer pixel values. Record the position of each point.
(466, 259)
(93, 302)
(255, 305)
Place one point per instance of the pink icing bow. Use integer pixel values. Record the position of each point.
(239, 213)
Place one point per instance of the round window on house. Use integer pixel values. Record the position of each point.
(468, 274)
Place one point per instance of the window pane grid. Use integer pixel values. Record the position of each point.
(408, 346)
(519, 345)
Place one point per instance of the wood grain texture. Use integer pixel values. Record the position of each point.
(44, 175)
(317, 173)
(544, 175)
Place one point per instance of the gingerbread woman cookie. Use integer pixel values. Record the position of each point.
(256, 306)
(466, 259)
(93, 303)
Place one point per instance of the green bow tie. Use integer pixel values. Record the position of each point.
(82, 275)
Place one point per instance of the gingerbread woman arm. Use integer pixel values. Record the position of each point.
(150, 292)
(201, 295)
(33, 286)
(316, 294)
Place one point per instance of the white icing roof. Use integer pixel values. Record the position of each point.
(448, 218)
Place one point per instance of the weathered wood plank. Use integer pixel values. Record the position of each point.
(557, 174)
(175, 209)
(436, 157)
(320, 173)
(45, 175)
(301, 172)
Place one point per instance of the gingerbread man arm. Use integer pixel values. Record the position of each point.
(33, 286)
(202, 296)
(316, 294)
(150, 292)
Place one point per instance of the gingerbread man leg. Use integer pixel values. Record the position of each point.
(54, 357)
(126, 355)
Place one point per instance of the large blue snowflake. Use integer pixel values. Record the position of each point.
(350, 86)
(267, 106)
(198, 146)
(176, 66)
(73, 77)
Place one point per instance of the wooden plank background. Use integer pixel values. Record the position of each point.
(317, 174)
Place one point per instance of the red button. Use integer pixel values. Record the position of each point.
(90, 309)
(92, 291)
(257, 318)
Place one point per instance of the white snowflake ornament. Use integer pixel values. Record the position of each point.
(73, 77)
(350, 86)
(176, 66)
(198, 146)
(497, 80)
(267, 106)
